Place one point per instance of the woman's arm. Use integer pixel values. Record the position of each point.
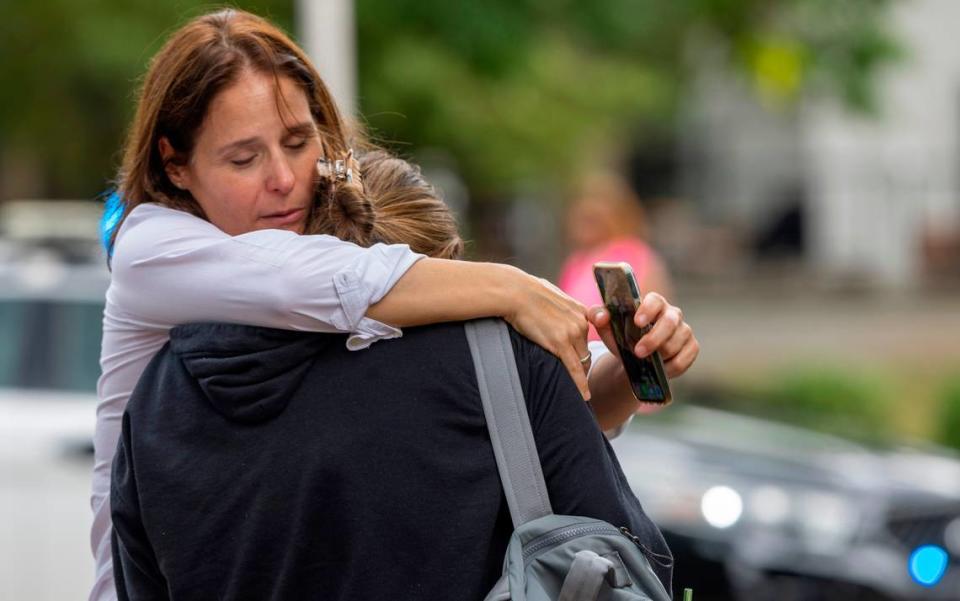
(435, 290)
(171, 268)
(612, 399)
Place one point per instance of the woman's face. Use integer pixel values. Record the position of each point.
(253, 168)
(590, 221)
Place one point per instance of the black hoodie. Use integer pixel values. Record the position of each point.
(266, 464)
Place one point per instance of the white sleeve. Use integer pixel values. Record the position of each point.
(171, 268)
(599, 349)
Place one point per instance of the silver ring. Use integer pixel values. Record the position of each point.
(586, 358)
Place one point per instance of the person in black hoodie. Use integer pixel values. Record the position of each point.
(266, 464)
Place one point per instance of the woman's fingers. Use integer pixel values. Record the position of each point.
(571, 346)
(558, 323)
(675, 344)
(572, 362)
(600, 318)
(667, 323)
(650, 309)
(682, 361)
(669, 335)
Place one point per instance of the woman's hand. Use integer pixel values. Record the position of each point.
(670, 334)
(547, 316)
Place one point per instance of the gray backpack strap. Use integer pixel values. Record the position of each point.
(507, 420)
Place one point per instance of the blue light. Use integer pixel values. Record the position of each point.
(928, 564)
(112, 212)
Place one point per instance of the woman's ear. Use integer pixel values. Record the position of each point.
(176, 172)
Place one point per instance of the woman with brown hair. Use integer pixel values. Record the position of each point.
(219, 181)
(223, 486)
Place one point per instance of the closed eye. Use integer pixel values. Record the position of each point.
(297, 145)
(242, 162)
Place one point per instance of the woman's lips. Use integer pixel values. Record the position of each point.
(291, 217)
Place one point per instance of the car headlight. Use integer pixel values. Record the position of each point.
(721, 506)
(823, 522)
(951, 536)
(769, 505)
(827, 521)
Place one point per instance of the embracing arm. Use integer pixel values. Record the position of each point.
(436, 290)
(612, 399)
(172, 268)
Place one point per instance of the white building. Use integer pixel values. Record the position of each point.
(872, 186)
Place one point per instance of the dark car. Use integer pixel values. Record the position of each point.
(756, 510)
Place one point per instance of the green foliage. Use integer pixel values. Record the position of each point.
(853, 405)
(515, 90)
(543, 115)
(68, 76)
(949, 423)
(522, 90)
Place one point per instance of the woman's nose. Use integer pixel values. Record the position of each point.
(281, 178)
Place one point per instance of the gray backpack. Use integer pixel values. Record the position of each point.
(550, 557)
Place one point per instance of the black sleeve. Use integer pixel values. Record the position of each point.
(136, 571)
(582, 472)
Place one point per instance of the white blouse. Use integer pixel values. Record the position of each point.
(171, 268)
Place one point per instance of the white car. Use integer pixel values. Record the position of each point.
(50, 330)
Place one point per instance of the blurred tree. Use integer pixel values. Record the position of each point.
(948, 422)
(853, 403)
(67, 83)
(524, 89)
(515, 90)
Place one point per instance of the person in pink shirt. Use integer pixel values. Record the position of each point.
(606, 222)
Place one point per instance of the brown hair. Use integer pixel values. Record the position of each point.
(200, 60)
(391, 202)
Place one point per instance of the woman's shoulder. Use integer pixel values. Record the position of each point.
(150, 227)
(150, 211)
(153, 217)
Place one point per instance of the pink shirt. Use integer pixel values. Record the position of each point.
(576, 276)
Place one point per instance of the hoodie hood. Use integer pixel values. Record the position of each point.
(247, 373)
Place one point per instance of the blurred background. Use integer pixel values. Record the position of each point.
(791, 168)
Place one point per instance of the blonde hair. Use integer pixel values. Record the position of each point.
(392, 203)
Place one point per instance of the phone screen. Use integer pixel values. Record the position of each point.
(641, 372)
(621, 297)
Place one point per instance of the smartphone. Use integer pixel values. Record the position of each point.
(621, 296)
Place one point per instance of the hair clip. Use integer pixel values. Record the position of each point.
(325, 168)
(340, 170)
(343, 171)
